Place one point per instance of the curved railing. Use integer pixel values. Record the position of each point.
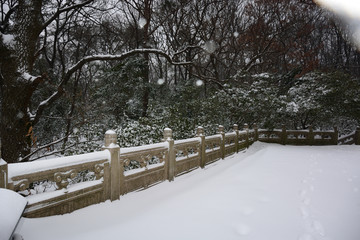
(62, 185)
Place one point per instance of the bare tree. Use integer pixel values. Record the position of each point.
(23, 46)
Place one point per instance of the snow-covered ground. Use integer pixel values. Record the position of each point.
(270, 192)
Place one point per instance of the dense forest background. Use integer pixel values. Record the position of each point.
(71, 69)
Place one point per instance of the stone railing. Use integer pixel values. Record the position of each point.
(62, 185)
(298, 137)
(353, 138)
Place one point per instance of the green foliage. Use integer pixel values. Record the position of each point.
(256, 100)
(323, 100)
(119, 92)
(318, 99)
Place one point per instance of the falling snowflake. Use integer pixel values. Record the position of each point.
(199, 82)
(160, 81)
(20, 115)
(210, 46)
(142, 22)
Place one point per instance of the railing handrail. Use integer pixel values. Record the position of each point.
(172, 158)
(18, 169)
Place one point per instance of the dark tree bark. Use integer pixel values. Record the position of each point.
(17, 87)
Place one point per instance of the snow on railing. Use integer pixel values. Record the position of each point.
(299, 137)
(352, 138)
(70, 183)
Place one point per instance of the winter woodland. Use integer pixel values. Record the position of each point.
(71, 69)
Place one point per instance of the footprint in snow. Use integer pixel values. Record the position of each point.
(264, 199)
(243, 229)
(306, 236)
(303, 193)
(304, 212)
(246, 210)
(319, 228)
(306, 201)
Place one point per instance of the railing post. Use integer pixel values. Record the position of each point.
(283, 134)
(116, 166)
(246, 128)
(335, 137)
(168, 137)
(311, 136)
(256, 137)
(236, 130)
(3, 173)
(357, 136)
(201, 134)
(222, 145)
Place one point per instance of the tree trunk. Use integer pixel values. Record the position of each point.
(16, 61)
(146, 72)
(15, 124)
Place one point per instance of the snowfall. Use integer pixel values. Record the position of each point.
(268, 192)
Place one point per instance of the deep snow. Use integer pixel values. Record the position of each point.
(268, 192)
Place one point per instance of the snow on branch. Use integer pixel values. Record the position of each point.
(77, 66)
(187, 48)
(29, 78)
(43, 147)
(65, 9)
(123, 56)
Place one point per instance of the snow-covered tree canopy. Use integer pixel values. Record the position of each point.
(66, 64)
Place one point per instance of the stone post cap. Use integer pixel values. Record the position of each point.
(235, 127)
(200, 131)
(110, 138)
(167, 134)
(221, 128)
(2, 162)
(246, 126)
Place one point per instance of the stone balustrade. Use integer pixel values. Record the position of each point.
(63, 185)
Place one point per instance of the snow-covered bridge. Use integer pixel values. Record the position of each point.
(63, 185)
(268, 191)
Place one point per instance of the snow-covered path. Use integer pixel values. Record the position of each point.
(269, 192)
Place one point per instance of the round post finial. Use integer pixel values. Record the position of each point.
(167, 134)
(200, 131)
(110, 138)
(221, 129)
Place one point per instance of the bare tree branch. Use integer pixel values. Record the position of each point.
(89, 59)
(65, 9)
(42, 147)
